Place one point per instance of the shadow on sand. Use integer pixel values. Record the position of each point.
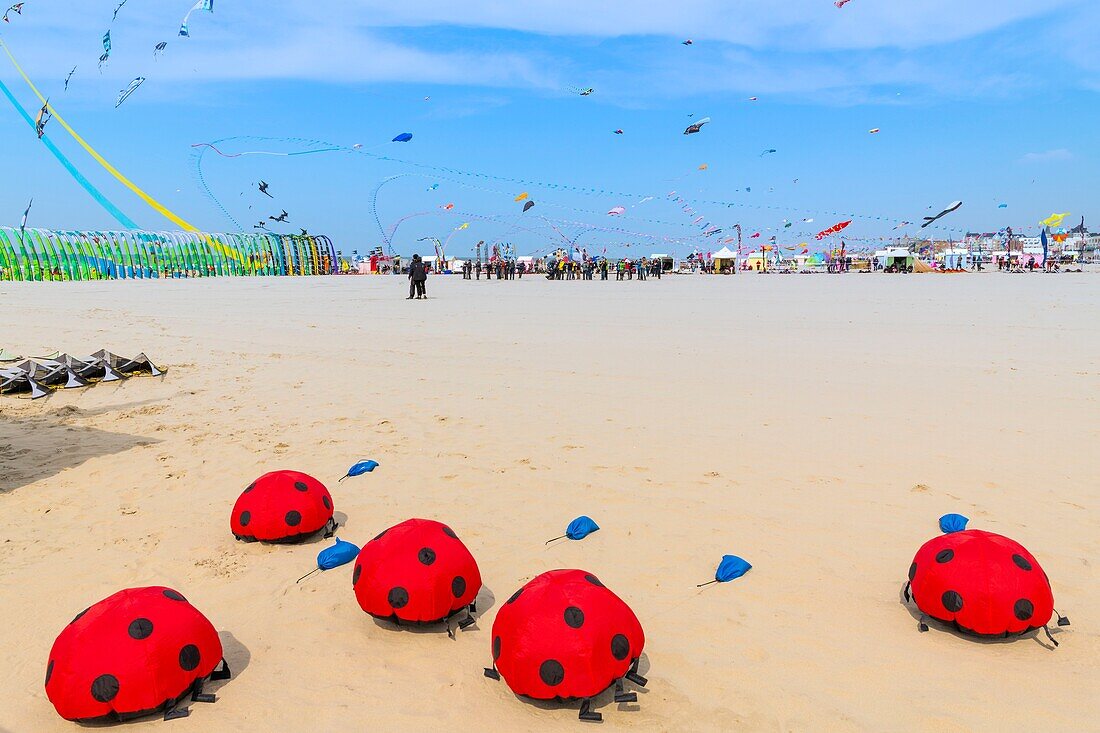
(36, 447)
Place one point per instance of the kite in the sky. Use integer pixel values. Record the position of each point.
(304, 232)
(67, 78)
(787, 224)
(261, 225)
(206, 5)
(902, 225)
(522, 197)
(841, 3)
(1054, 220)
(107, 41)
(263, 189)
(698, 126)
(528, 206)
(43, 117)
(281, 217)
(587, 92)
(833, 230)
(447, 207)
(1002, 206)
(874, 131)
(403, 138)
(808, 221)
(130, 89)
(618, 132)
(689, 42)
(433, 187)
(769, 151)
(159, 48)
(115, 16)
(17, 9)
(23, 223)
(616, 211)
(703, 167)
(954, 206)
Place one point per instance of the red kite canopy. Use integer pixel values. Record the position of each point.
(833, 229)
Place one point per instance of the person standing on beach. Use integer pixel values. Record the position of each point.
(477, 269)
(418, 278)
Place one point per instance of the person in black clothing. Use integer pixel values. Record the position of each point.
(418, 278)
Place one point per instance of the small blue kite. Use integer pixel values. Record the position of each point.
(731, 568)
(333, 557)
(578, 529)
(360, 468)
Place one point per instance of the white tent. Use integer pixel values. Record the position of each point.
(724, 254)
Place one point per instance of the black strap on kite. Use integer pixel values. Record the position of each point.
(1049, 636)
(450, 631)
(921, 625)
(175, 713)
(197, 695)
(634, 677)
(621, 696)
(906, 591)
(221, 674)
(330, 528)
(1062, 620)
(491, 673)
(467, 622)
(587, 714)
(556, 539)
(473, 607)
(345, 476)
(704, 585)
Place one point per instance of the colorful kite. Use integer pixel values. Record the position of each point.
(616, 211)
(67, 78)
(953, 206)
(618, 132)
(874, 131)
(130, 89)
(841, 3)
(1054, 220)
(159, 48)
(447, 207)
(522, 197)
(836, 228)
(697, 127)
(43, 117)
(204, 5)
(17, 9)
(688, 42)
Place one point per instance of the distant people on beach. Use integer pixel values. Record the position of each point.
(418, 279)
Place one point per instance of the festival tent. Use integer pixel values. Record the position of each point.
(666, 260)
(724, 258)
(898, 258)
(955, 259)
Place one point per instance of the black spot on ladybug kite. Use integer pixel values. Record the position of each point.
(282, 506)
(138, 652)
(982, 584)
(564, 635)
(417, 572)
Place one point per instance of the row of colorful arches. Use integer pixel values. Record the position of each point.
(40, 254)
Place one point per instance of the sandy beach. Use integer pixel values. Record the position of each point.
(817, 426)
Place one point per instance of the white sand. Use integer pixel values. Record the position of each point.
(818, 426)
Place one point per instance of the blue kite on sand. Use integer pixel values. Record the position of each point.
(333, 557)
(731, 568)
(953, 523)
(360, 468)
(578, 529)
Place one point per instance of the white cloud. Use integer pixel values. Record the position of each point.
(1048, 156)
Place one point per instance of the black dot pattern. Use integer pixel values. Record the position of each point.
(301, 486)
(945, 556)
(105, 688)
(912, 572)
(246, 517)
(293, 518)
(174, 595)
(593, 580)
(574, 617)
(49, 667)
(551, 672)
(140, 628)
(952, 601)
(355, 575)
(79, 615)
(449, 532)
(327, 502)
(1023, 609)
(426, 556)
(620, 647)
(398, 597)
(496, 653)
(458, 586)
(189, 657)
(1021, 562)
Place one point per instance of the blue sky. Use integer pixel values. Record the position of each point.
(987, 101)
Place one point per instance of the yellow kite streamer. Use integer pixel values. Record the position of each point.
(1054, 220)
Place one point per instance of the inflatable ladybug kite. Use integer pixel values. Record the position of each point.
(417, 572)
(981, 583)
(566, 636)
(138, 652)
(282, 506)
